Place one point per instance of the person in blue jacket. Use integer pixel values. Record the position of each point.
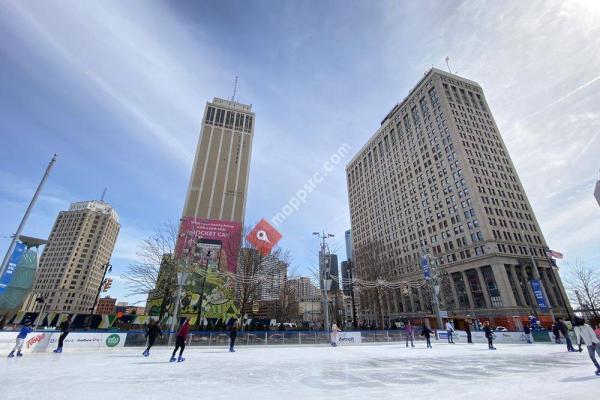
(25, 329)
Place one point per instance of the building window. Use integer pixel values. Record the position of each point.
(475, 287)
(492, 287)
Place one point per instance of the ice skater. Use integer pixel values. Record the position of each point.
(585, 334)
(527, 333)
(334, 334)
(232, 336)
(556, 333)
(64, 329)
(410, 334)
(468, 329)
(562, 327)
(180, 338)
(489, 335)
(20, 341)
(426, 332)
(450, 331)
(152, 333)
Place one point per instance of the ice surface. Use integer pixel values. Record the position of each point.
(387, 371)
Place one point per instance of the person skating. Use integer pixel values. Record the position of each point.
(527, 332)
(468, 330)
(426, 332)
(232, 336)
(585, 334)
(410, 335)
(562, 327)
(489, 335)
(450, 331)
(556, 333)
(334, 334)
(151, 333)
(64, 329)
(180, 338)
(20, 341)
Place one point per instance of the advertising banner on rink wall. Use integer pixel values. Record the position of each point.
(48, 340)
(347, 338)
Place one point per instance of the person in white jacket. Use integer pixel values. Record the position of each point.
(584, 333)
(450, 331)
(334, 334)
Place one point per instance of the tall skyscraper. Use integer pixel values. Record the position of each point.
(348, 239)
(72, 265)
(436, 178)
(219, 179)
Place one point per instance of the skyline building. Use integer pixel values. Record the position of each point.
(274, 281)
(436, 178)
(73, 262)
(331, 272)
(219, 179)
(348, 241)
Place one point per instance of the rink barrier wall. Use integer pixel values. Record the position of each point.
(40, 341)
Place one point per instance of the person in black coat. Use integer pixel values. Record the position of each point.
(232, 336)
(64, 328)
(151, 333)
(468, 323)
(426, 332)
(489, 335)
(556, 333)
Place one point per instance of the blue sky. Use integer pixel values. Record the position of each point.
(117, 89)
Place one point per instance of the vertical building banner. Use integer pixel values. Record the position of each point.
(12, 266)
(210, 249)
(536, 285)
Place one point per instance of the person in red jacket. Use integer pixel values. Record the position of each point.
(180, 338)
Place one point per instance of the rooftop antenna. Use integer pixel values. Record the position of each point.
(234, 88)
(103, 194)
(448, 64)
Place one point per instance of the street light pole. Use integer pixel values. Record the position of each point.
(324, 274)
(107, 268)
(181, 279)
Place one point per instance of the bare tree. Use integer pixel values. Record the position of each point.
(372, 264)
(583, 284)
(154, 272)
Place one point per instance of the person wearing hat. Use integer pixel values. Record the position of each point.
(25, 329)
(585, 334)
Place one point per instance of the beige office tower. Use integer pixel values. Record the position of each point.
(72, 265)
(219, 180)
(436, 178)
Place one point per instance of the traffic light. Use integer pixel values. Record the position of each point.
(107, 284)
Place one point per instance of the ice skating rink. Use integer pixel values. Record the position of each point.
(391, 371)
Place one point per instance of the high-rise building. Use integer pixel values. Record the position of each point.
(219, 179)
(274, 282)
(73, 263)
(436, 178)
(303, 288)
(348, 240)
(597, 192)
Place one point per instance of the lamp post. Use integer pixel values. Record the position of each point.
(208, 254)
(351, 287)
(324, 276)
(105, 268)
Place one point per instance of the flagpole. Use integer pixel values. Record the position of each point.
(562, 297)
(13, 243)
